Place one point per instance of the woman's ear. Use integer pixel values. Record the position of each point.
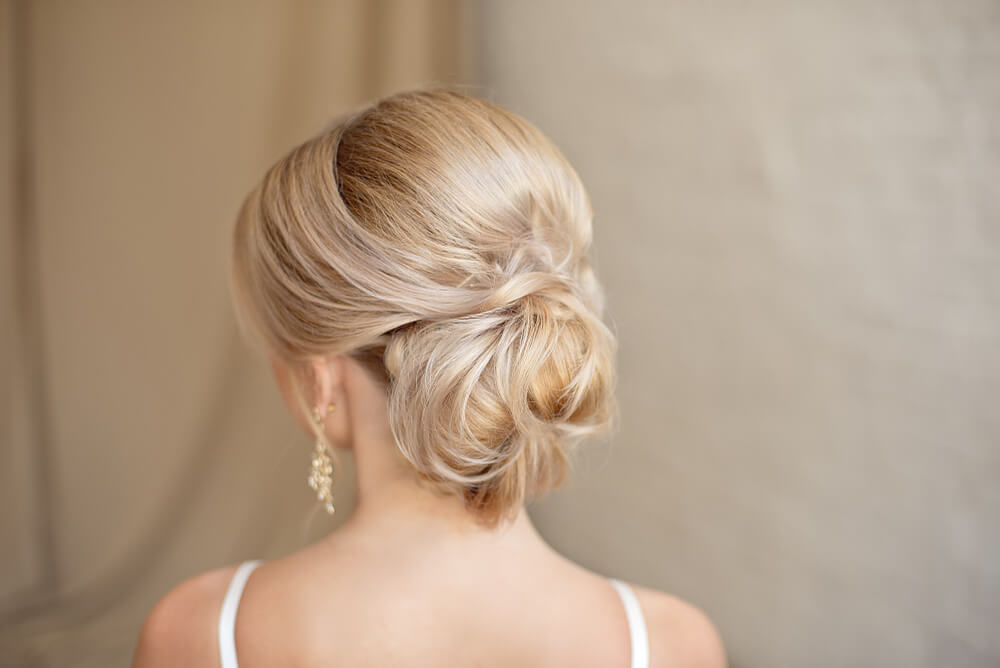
(327, 375)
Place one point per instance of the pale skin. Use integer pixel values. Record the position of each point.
(410, 579)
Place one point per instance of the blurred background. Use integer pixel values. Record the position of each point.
(797, 223)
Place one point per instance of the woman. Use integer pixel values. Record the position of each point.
(418, 276)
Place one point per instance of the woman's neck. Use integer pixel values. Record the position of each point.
(392, 502)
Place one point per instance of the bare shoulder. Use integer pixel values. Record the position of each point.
(180, 630)
(679, 632)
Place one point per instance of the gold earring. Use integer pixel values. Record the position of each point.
(319, 475)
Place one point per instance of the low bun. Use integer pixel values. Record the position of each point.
(442, 240)
(491, 405)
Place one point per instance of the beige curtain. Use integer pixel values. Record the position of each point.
(142, 441)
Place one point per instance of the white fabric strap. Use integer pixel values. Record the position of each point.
(227, 616)
(636, 624)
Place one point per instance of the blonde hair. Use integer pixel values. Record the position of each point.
(441, 240)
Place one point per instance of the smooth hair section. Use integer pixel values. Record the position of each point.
(441, 240)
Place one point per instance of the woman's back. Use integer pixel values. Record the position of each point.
(356, 601)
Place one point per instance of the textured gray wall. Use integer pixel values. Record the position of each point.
(797, 224)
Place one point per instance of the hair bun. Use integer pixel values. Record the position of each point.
(493, 403)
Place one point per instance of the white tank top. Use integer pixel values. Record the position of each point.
(227, 618)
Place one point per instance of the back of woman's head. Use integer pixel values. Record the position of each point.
(441, 240)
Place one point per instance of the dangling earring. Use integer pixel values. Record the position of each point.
(319, 475)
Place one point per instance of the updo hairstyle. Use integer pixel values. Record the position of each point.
(441, 241)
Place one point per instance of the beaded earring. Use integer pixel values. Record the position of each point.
(320, 478)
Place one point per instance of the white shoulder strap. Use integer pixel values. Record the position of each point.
(636, 624)
(227, 616)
